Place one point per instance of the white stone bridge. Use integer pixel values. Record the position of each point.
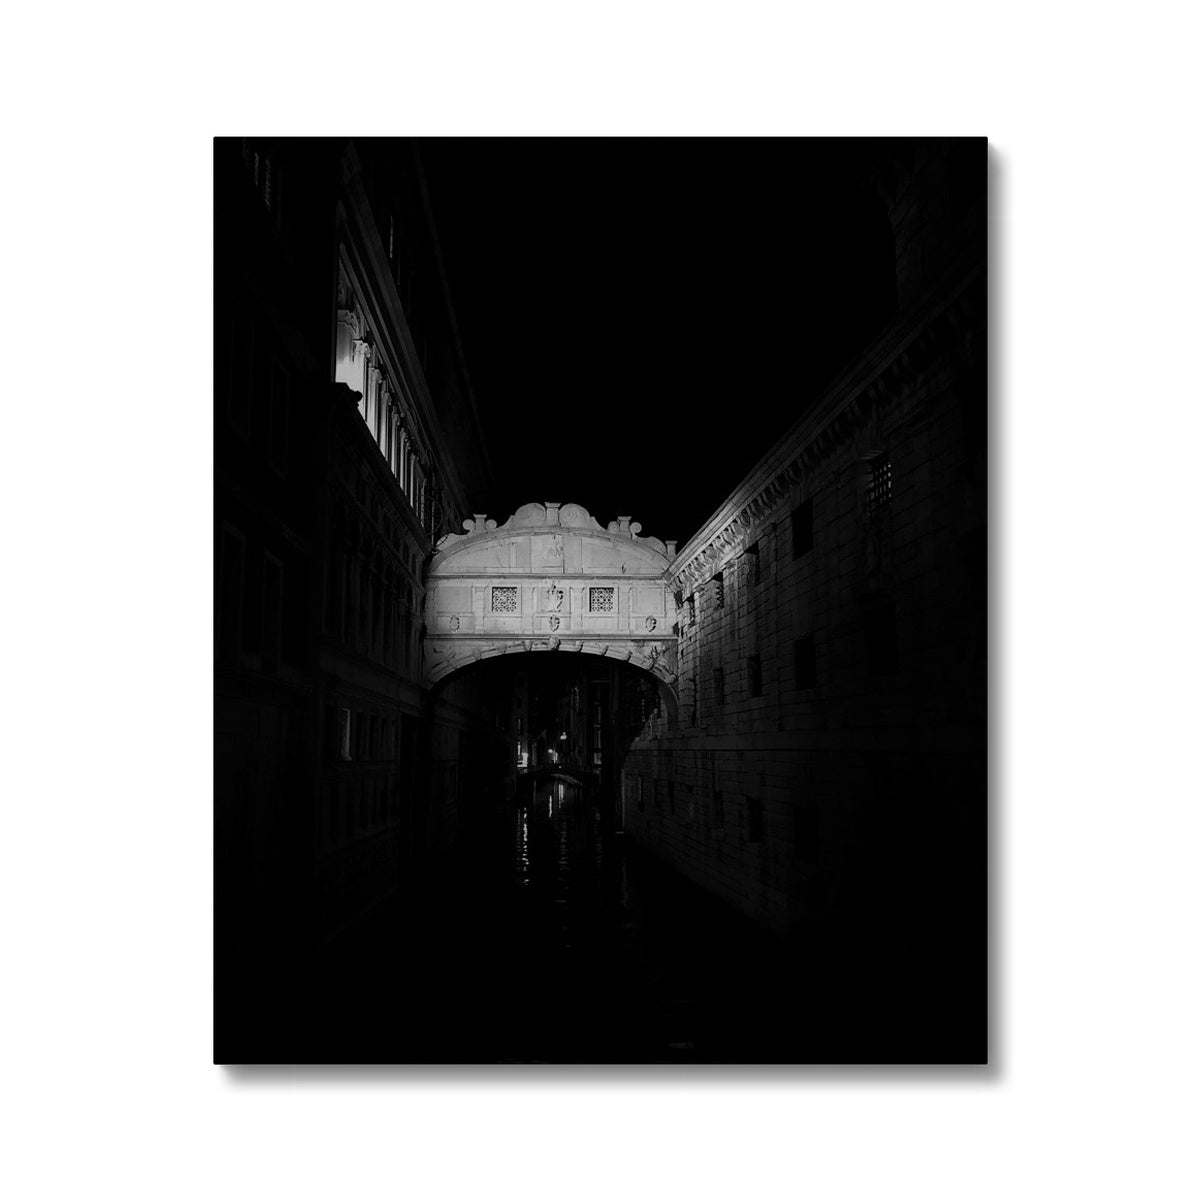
(551, 579)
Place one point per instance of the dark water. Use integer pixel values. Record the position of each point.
(553, 941)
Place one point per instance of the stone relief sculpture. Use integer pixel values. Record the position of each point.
(560, 559)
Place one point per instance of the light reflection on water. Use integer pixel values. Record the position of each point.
(523, 865)
(583, 949)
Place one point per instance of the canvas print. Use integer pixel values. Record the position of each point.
(600, 557)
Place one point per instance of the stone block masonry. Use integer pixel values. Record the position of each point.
(829, 757)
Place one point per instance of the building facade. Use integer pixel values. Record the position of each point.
(827, 770)
(345, 444)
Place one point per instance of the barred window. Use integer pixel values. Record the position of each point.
(718, 590)
(504, 599)
(754, 675)
(691, 610)
(601, 599)
(879, 490)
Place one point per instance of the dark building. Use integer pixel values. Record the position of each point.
(789, 711)
(346, 442)
(832, 615)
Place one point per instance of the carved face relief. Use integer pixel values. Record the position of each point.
(651, 624)
(454, 624)
(555, 623)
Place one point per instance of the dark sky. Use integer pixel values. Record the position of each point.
(642, 318)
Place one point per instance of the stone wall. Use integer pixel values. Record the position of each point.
(827, 773)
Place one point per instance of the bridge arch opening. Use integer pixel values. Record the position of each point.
(551, 580)
(550, 714)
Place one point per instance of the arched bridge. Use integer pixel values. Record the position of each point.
(551, 579)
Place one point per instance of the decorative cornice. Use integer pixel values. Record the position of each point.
(656, 657)
(849, 407)
(555, 516)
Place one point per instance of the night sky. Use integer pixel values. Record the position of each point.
(642, 317)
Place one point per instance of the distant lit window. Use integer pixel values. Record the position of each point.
(504, 599)
(601, 599)
(879, 488)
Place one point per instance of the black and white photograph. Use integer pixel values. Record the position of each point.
(599, 602)
(600, 606)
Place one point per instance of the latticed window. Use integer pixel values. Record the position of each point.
(879, 489)
(601, 599)
(504, 599)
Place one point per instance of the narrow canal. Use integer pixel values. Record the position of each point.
(560, 944)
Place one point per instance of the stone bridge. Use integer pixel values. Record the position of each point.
(551, 579)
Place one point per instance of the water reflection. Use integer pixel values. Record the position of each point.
(551, 941)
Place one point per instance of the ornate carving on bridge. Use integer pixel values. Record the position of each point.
(551, 578)
(448, 655)
(556, 516)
